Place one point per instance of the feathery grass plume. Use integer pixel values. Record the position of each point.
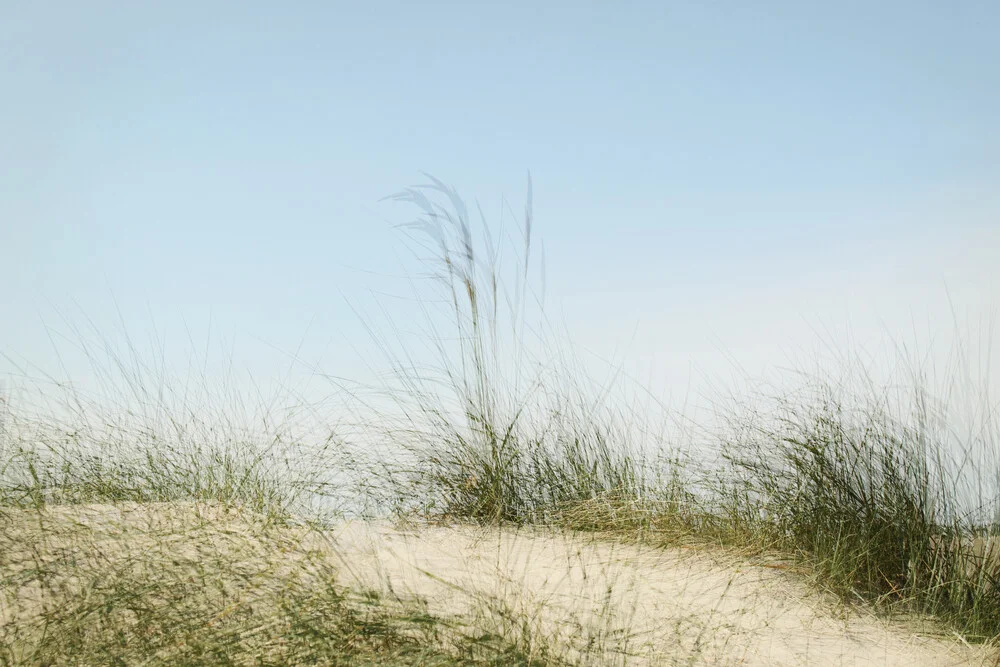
(499, 429)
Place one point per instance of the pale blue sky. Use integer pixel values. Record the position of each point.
(709, 177)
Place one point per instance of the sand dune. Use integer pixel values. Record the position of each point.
(596, 601)
(643, 605)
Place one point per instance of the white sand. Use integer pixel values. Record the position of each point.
(600, 602)
(641, 605)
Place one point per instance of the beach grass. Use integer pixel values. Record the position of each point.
(873, 499)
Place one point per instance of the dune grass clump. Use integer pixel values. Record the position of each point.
(45, 474)
(875, 503)
(140, 434)
(61, 462)
(499, 429)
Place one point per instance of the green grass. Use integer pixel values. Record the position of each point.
(872, 502)
(502, 430)
(867, 493)
(206, 586)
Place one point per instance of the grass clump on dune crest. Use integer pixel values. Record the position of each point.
(499, 430)
(879, 505)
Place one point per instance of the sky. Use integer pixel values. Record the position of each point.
(718, 186)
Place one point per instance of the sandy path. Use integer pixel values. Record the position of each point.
(640, 605)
